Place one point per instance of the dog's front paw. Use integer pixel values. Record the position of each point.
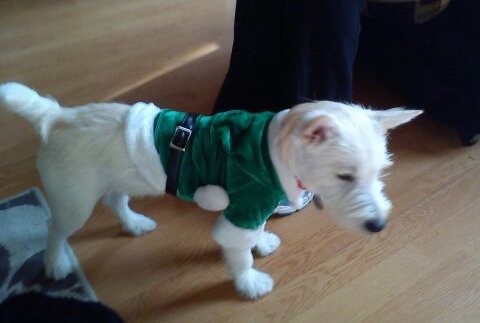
(253, 284)
(267, 243)
(138, 224)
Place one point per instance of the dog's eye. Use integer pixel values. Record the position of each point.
(346, 177)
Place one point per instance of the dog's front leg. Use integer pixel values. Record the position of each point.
(267, 243)
(237, 244)
(249, 282)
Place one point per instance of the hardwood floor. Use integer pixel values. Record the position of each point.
(425, 267)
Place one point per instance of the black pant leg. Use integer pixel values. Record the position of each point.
(253, 74)
(286, 52)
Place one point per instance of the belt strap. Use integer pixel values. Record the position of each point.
(183, 134)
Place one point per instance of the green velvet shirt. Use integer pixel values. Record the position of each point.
(230, 150)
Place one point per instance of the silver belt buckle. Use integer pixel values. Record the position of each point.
(179, 130)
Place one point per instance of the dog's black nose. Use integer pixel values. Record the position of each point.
(374, 225)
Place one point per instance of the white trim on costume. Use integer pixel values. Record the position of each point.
(230, 236)
(139, 140)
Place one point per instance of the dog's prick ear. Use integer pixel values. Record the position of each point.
(392, 118)
(318, 130)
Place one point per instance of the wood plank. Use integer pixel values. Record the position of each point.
(423, 268)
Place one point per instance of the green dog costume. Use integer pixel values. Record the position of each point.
(230, 150)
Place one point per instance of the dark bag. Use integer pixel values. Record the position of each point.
(435, 64)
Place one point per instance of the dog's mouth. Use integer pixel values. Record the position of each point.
(318, 201)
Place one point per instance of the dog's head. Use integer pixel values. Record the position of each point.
(339, 152)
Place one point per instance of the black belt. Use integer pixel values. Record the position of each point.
(183, 133)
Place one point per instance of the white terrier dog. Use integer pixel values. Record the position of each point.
(108, 151)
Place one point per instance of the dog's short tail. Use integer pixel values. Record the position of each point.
(26, 102)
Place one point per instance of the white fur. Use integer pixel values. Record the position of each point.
(132, 222)
(267, 243)
(107, 150)
(355, 143)
(40, 111)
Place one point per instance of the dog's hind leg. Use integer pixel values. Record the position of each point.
(70, 210)
(132, 222)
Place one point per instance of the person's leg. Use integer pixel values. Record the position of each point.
(331, 31)
(287, 52)
(252, 81)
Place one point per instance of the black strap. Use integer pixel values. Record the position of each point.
(183, 134)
